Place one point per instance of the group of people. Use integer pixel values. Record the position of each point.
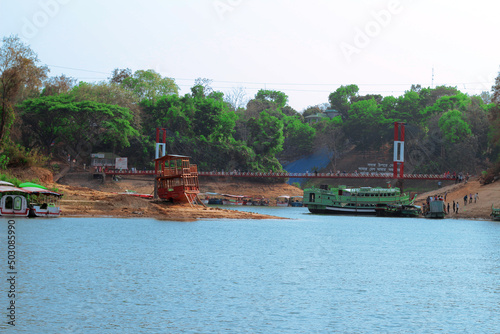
(455, 206)
(467, 198)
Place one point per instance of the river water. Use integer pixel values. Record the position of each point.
(308, 274)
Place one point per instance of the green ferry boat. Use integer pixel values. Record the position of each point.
(343, 200)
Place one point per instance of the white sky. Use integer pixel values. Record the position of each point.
(306, 48)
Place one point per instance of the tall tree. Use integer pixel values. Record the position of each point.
(280, 98)
(119, 75)
(109, 93)
(20, 74)
(266, 134)
(58, 85)
(494, 118)
(61, 119)
(236, 98)
(150, 85)
(453, 126)
(341, 99)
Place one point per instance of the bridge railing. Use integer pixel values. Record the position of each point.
(361, 175)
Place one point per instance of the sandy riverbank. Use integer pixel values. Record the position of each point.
(481, 209)
(91, 198)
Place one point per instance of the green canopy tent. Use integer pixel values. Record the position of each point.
(32, 185)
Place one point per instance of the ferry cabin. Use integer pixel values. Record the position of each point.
(13, 202)
(363, 200)
(176, 179)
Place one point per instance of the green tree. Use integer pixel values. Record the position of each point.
(366, 125)
(77, 124)
(110, 93)
(341, 99)
(299, 138)
(20, 76)
(213, 120)
(494, 118)
(150, 85)
(407, 108)
(266, 134)
(277, 97)
(454, 126)
(460, 101)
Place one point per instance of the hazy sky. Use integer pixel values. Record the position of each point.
(306, 48)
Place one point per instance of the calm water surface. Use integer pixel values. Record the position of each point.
(310, 274)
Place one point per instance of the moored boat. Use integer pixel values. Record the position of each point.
(13, 201)
(203, 198)
(282, 200)
(399, 210)
(343, 200)
(232, 199)
(434, 208)
(296, 201)
(264, 202)
(43, 202)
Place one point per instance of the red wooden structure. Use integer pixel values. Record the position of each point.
(176, 179)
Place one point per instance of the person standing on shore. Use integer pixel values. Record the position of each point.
(448, 210)
(476, 196)
(454, 207)
(457, 208)
(465, 200)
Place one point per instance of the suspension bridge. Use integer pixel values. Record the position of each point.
(285, 175)
(397, 170)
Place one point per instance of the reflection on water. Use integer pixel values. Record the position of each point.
(311, 273)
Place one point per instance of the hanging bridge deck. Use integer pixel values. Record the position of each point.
(440, 177)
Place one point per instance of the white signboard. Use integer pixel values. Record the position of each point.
(121, 163)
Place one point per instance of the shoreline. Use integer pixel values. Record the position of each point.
(85, 197)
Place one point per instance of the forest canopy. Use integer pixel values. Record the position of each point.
(59, 116)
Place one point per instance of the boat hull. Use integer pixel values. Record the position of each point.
(332, 210)
(37, 211)
(357, 201)
(228, 202)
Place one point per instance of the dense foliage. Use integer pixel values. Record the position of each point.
(446, 129)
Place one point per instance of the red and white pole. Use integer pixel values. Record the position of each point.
(161, 147)
(399, 149)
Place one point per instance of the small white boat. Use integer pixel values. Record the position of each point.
(282, 200)
(43, 202)
(13, 202)
(232, 199)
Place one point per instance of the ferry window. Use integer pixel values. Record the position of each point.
(8, 202)
(311, 197)
(18, 203)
